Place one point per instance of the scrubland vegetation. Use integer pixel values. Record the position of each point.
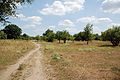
(12, 50)
(78, 61)
(82, 56)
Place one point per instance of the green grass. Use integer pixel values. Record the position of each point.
(12, 50)
(79, 61)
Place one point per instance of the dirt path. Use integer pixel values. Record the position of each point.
(27, 68)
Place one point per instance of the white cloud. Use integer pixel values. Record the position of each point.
(111, 6)
(66, 23)
(36, 20)
(96, 30)
(72, 30)
(115, 24)
(63, 7)
(52, 27)
(57, 8)
(94, 20)
(29, 23)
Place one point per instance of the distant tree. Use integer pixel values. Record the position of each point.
(38, 37)
(12, 31)
(96, 37)
(88, 32)
(8, 8)
(65, 36)
(58, 35)
(103, 36)
(112, 35)
(25, 37)
(3, 35)
(72, 38)
(80, 36)
(49, 35)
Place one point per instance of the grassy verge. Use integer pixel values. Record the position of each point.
(78, 61)
(12, 50)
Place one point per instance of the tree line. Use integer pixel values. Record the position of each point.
(12, 31)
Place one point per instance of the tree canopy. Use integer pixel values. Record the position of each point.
(65, 36)
(112, 35)
(88, 32)
(12, 31)
(58, 35)
(49, 35)
(8, 8)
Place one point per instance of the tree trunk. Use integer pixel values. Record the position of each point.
(64, 40)
(87, 42)
(59, 40)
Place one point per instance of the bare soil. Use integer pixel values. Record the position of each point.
(28, 67)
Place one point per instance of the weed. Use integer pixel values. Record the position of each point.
(56, 56)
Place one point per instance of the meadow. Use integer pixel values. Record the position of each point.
(12, 50)
(78, 61)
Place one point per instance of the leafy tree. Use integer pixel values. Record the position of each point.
(12, 31)
(80, 36)
(38, 37)
(8, 8)
(72, 38)
(25, 37)
(3, 35)
(96, 37)
(112, 35)
(65, 36)
(58, 35)
(88, 32)
(49, 35)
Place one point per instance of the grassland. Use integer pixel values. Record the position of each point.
(78, 61)
(12, 50)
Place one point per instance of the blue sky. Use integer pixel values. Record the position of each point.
(70, 15)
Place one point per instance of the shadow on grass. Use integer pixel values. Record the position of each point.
(107, 46)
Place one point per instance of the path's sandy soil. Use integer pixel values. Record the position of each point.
(27, 68)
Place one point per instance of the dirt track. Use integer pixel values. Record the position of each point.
(27, 68)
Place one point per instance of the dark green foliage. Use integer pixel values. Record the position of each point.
(65, 36)
(37, 37)
(8, 8)
(12, 31)
(80, 36)
(3, 35)
(96, 37)
(58, 35)
(25, 37)
(112, 35)
(49, 35)
(88, 32)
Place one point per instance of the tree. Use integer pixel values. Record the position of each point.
(38, 37)
(12, 31)
(88, 32)
(25, 37)
(72, 38)
(8, 8)
(80, 36)
(49, 35)
(96, 37)
(58, 35)
(65, 36)
(112, 35)
(2, 35)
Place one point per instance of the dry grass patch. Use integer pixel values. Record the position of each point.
(12, 50)
(78, 61)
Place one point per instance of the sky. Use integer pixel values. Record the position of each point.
(71, 15)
